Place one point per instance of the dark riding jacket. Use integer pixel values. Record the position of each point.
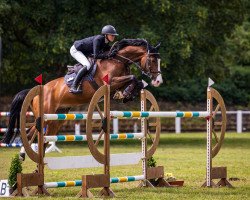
(93, 46)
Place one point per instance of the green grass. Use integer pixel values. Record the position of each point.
(184, 155)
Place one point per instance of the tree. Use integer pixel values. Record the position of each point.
(237, 58)
(37, 35)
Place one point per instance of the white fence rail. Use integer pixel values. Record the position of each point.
(239, 118)
(239, 122)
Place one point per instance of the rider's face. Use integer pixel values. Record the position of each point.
(111, 38)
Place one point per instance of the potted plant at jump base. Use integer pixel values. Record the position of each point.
(152, 163)
(170, 179)
(15, 168)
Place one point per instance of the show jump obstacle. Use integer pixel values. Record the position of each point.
(99, 115)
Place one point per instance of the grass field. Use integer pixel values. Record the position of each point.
(183, 155)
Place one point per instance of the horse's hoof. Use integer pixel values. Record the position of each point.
(22, 156)
(118, 95)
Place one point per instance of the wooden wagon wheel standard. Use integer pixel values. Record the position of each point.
(219, 121)
(153, 124)
(25, 123)
(97, 109)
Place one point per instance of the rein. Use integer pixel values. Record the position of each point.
(139, 67)
(131, 61)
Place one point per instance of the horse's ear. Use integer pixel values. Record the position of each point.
(158, 46)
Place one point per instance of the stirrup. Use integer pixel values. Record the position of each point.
(75, 91)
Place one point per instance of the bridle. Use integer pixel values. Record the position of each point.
(147, 65)
(148, 72)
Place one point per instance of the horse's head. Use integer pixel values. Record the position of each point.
(150, 65)
(140, 51)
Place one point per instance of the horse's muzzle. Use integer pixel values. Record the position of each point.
(158, 81)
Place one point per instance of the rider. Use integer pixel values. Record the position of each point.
(96, 46)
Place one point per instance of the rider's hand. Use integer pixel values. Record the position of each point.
(101, 56)
(112, 54)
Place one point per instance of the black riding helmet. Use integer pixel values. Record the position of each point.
(109, 30)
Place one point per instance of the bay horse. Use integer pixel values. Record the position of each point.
(57, 98)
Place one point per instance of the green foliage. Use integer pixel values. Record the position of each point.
(237, 48)
(238, 45)
(192, 91)
(37, 37)
(238, 90)
(151, 162)
(237, 57)
(16, 167)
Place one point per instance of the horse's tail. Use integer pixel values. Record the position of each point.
(14, 117)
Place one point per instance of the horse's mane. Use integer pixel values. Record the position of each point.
(131, 42)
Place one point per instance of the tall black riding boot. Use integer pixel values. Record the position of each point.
(74, 87)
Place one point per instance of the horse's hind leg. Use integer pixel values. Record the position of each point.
(52, 129)
(30, 133)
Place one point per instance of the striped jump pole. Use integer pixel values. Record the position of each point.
(126, 114)
(70, 138)
(7, 114)
(127, 179)
(142, 114)
(79, 182)
(11, 145)
(76, 116)
(2, 130)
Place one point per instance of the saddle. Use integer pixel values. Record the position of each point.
(73, 70)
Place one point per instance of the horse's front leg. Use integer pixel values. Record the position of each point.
(132, 87)
(121, 82)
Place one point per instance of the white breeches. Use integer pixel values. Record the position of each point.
(79, 56)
